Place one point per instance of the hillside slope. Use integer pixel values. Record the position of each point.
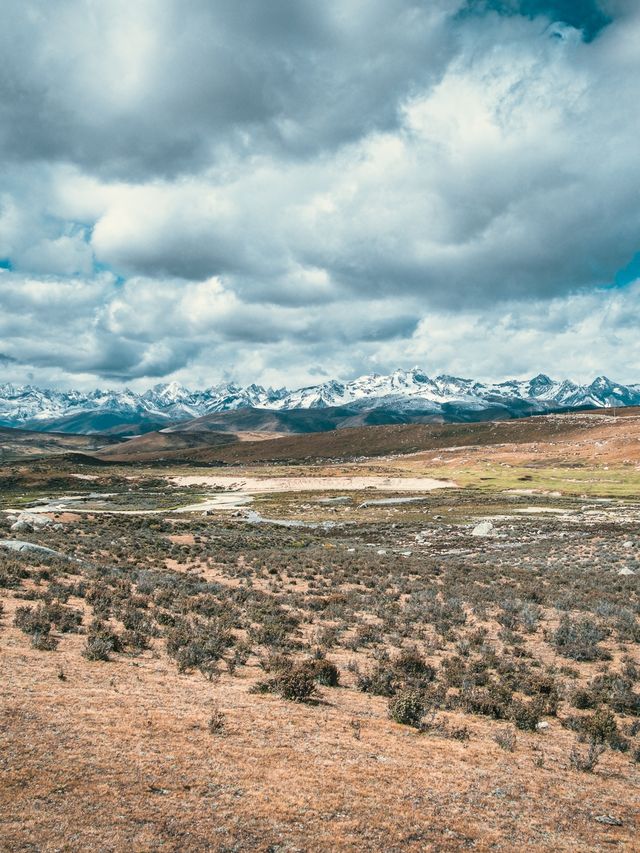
(583, 435)
(18, 443)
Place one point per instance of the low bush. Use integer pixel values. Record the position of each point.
(578, 639)
(43, 642)
(413, 668)
(526, 715)
(493, 701)
(96, 648)
(616, 691)
(583, 699)
(322, 671)
(380, 681)
(407, 708)
(296, 685)
(198, 645)
(506, 739)
(586, 760)
(31, 621)
(217, 722)
(137, 641)
(66, 619)
(601, 726)
(103, 631)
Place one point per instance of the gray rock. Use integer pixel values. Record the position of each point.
(485, 528)
(30, 521)
(608, 820)
(19, 545)
(625, 572)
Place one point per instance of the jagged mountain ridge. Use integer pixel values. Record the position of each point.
(403, 391)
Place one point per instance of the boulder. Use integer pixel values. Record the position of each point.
(18, 545)
(485, 528)
(30, 521)
(625, 572)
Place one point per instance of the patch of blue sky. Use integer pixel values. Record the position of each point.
(585, 15)
(628, 274)
(99, 267)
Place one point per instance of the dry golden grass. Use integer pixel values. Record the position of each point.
(118, 756)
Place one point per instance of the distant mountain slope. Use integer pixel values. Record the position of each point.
(585, 433)
(405, 395)
(19, 443)
(161, 446)
(357, 414)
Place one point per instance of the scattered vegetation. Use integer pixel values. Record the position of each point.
(457, 637)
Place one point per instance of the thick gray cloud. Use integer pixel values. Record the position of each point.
(150, 328)
(286, 190)
(159, 87)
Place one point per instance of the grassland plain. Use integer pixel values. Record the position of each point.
(324, 669)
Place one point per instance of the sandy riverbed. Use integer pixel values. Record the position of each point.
(267, 485)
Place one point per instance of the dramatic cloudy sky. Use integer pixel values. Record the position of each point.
(287, 190)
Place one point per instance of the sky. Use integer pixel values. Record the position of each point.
(290, 191)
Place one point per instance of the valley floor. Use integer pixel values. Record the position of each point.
(355, 672)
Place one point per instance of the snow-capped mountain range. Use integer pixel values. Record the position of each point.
(403, 391)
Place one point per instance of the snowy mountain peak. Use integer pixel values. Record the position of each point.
(170, 391)
(602, 383)
(541, 381)
(403, 391)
